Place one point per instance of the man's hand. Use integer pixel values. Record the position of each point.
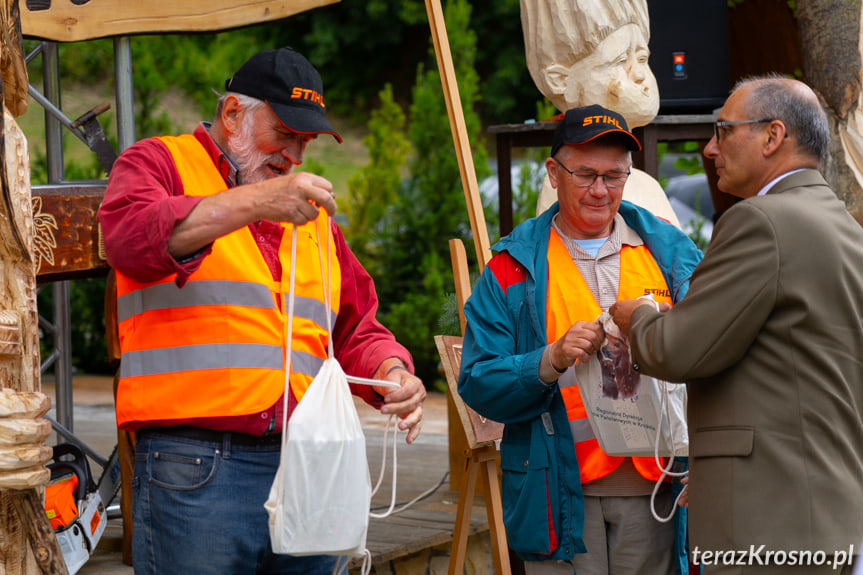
(294, 198)
(684, 495)
(580, 342)
(291, 198)
(406, 401)
(622, 311)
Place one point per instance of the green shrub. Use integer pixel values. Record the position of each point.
(374, 189)
(412, 262)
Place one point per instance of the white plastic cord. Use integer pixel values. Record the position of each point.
(391, 510)
(392, 420)
(290, 335)
(666, 471)
(326, 280)
(343, 561)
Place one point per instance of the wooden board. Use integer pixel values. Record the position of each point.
(480, 430)
(67, 232)
(459, 131)
(64, 21)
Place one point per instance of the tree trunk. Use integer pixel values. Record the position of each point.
(831, 43)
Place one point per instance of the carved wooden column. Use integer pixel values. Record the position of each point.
(27, 542)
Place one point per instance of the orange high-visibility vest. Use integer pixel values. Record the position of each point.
(570, 300)
(217, 346)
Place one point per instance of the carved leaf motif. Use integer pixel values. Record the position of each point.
(44, 229)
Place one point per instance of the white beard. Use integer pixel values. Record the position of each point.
(250, 161)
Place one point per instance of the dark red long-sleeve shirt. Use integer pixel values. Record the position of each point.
(143, 203)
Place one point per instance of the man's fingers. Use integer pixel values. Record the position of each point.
(683, 500)
(406, 405)
(323, 198)
(308, 211)
(296, 198)
(414, 432)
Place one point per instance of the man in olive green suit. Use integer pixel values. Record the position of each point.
(770, 341)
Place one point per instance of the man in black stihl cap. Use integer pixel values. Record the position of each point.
(533, 315)
(198, 229)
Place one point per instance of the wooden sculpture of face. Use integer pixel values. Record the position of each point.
(616, 76)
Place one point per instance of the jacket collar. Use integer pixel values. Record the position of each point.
(676, 255)
(798, 179)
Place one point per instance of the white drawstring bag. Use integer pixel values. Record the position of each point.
(319, 501)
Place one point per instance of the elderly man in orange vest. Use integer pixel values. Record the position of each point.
(198, 229)
(531, 317)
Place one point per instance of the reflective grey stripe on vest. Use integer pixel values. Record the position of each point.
(214, 356)
(311, 309)
(206, 292)
(194, 357)
(306, 363)
(581, 430)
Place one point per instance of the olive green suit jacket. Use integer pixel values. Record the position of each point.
(770, 340)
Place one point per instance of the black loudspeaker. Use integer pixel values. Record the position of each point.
(689, 54)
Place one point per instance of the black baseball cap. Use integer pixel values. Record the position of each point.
(290, 86)
(581, 125)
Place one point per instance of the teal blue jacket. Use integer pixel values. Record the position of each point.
(543, 506)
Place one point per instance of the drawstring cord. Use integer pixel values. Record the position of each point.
(666, 471)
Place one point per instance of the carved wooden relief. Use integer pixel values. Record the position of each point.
(74, 20)
(66, 242)
(13, 70)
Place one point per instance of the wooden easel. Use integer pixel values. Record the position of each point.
(481, 454)
(480, 465)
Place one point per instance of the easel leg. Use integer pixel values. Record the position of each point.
(493, 506)
(462, 518)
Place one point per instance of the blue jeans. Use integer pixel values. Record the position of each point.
(198, 509)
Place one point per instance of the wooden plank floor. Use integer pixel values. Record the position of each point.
(421, 466)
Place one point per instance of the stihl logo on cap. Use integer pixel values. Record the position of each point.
(306, 94)
(601, 120)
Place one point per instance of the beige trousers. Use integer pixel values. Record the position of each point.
(622, 538)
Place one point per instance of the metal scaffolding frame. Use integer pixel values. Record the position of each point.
(59, 328)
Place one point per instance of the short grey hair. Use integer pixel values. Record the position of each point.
(777, 97)
(247, 102)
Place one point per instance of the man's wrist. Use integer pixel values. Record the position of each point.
(547, 372)
(395, 367)
(387, 366)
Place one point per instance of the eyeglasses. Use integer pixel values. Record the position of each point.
(717, 125)
(612, 180)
